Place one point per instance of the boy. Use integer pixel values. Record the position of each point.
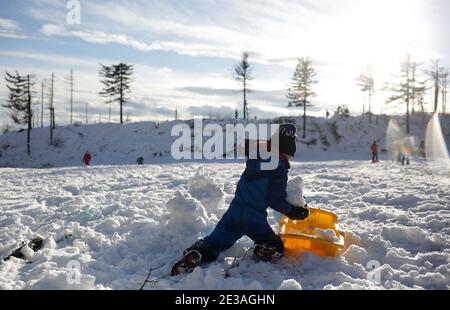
(247, 215)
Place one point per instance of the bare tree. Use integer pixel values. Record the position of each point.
(243, 74)
(51, 107)
(367, 84)
(300, 89)
(42, 103)
(116, 80)
(70, 83)
(444, 81)
(434, 74)
(19, 101)
(406, 87)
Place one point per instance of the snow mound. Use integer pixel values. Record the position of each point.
(326, 234)
(290, 285)
(187, 216)
(207, 192)
(355, 255)
(295, 192)
(57, 280)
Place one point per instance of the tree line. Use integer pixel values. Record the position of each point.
(116, 81)
(408, 89)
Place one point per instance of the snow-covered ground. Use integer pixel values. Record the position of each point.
(121, 220)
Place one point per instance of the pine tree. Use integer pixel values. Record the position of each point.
(367, 84)
(243, 74)
(116, 80)
(300, 90)
(407, 87)
(19, 101)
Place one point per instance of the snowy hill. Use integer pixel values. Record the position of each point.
(114, 144)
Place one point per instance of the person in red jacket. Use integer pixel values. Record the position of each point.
(374, 149)
(87, 158)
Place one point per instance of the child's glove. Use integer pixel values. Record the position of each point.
(298, 213)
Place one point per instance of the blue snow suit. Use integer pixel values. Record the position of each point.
(247, 215)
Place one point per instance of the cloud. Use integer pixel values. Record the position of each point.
(187, 32)
(10, 29)
(8, 24)
(100, 37)
(50, 58)
(211, 111)
(275, 97)
(52, 29)
(149, 107)
(227, 112)
(13, 35)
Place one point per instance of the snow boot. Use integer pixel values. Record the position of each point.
(267, 253)
(35, 244)
(188, 263)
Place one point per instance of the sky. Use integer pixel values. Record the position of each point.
(184, 52)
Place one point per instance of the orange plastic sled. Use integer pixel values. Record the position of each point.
(317, 234)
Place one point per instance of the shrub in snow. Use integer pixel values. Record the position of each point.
(58, 143)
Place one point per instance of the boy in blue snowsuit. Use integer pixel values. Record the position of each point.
(247, 215)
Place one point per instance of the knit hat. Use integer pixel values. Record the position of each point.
(288, 135)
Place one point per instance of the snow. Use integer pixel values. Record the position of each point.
(115, 220)
(294, 191)
(118, 221)
(328, 234)
(290, 285)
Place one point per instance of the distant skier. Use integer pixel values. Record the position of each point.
(140, 161)
(374, 149)
(247, 214)
(87, 158)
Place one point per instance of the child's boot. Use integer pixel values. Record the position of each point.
(187, 264)
(267, 253)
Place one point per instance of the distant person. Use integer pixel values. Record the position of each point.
(374, 149)
(328, 114)
(405, 160)
(140, 161)
(406, 153)
(87, 158)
